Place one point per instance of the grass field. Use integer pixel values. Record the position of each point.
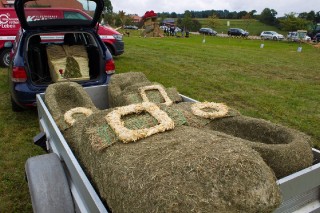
(276, 83)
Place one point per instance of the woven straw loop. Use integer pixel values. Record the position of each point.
(68, 116)
(221, 110)
(167, 100)
(127, 135)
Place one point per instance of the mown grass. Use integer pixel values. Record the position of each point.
(16, 133)
(275, 83)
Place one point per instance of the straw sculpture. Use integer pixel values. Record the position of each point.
(151, 152)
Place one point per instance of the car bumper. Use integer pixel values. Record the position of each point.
(118, 47)
(24, 95)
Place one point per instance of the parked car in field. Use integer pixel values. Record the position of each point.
(316, 38)
(271, 35)
(207, 31)
(163, 27)
(131, 27)
(300, 35)
(52, 50)
(237, 32)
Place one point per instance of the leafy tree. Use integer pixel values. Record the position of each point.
(187, 20)
(303, 15)
(213, 21)
(120, 19)
(268, 16)
(311, 16)
(108, 12)
(129, 20)
(317, 17)
(173, 15)
(252, 12)
(242, 14)
(180, 23)
(108, 6)
(196, 25)
(247, 20)
(292, 23)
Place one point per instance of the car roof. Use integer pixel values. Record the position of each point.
(53, 18)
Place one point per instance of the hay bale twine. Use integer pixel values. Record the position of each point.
(176, 171)
(285, 150)
(64, 96)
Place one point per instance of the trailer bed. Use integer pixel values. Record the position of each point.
(300, 191)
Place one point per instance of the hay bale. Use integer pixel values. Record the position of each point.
(64, 96)
(133, 95)
(176, 171)
(197, 121)
(80, 55)
(285, 150)
(102, 135)
(121, 81)
(68, 62)
(72, 69)
(122, 91)
(57, 61)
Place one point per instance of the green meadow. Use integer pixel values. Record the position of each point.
(276, 83)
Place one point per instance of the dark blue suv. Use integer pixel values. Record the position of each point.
(51, 48)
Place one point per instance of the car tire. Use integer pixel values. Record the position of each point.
(15, 107)
(275, 38)
(5, 57)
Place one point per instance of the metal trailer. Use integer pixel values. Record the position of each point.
(57, 183)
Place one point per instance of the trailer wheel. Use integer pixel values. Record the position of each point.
(5, 58)
(48, 185)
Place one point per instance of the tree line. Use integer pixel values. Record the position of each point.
(188, 19)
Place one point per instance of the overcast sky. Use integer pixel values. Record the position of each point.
(179, 6)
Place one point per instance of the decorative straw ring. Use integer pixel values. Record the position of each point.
(127, 135)
(167, 100)
(220, 109)
(78, 110)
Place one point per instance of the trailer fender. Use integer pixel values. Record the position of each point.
(48, 185)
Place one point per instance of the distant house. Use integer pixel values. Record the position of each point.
(168, 21)
(136, 18)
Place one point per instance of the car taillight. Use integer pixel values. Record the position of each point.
(19, 74)
(110, 67)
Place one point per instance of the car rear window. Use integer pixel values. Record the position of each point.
(74, 15)
(58, 14)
